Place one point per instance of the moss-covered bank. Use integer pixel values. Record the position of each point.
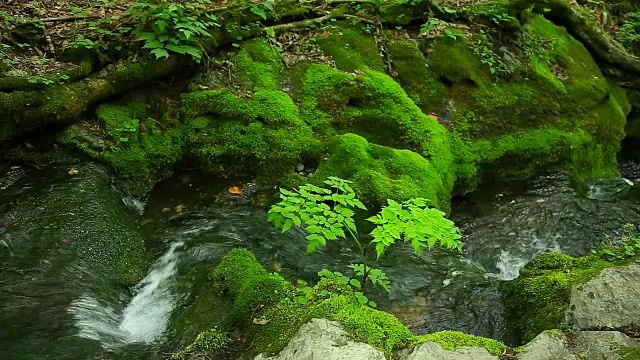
(257, 294)
(426, 115)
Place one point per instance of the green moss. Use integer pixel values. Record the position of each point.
(260, 64)
(417, 80)
(453, 340)
(380, 173)
(263, 133)
(250, 285)
(628, 353)
(376, 328)
(352, 47)
(208, 342)
(140, 157)
(377, 108)
(538, 298)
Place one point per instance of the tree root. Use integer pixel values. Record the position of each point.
(586, 30)
(24, 111)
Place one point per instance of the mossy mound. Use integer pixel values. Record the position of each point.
(454, 340)
(380, 173)
(538, 298)
(251, 287)
(264, 132)
(133, 144)
(553, 106)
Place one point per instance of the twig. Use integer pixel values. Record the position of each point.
(360, 18)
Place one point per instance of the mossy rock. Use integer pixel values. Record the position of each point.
(454, 340)
(380, 173)
(251, 287)
(262, 134)
(538, 299)
(131, 143)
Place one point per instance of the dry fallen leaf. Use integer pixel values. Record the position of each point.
(260, 321)
(235, 190)
(179, 209)
(73, 172)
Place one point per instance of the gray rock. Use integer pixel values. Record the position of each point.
(610, 301)
(550, 345)
(603, 345)
(433, 351)
(321, 339)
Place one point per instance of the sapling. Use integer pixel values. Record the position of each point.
(327, 214)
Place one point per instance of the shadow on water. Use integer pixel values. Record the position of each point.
(191, 223)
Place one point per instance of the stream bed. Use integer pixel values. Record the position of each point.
(54, 306)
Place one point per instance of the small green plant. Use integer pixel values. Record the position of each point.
(327, 214)
(629, 33)
(502, 18)
(81, 42)
(40, 80)
(126, 129)
(433, 27)
(626, 247)
(172, 26)
(263, 9)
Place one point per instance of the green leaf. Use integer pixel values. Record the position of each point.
(270, 32)
(355, 283)
(259, 11)
(161, 25)
(160, 53)
(363, 300)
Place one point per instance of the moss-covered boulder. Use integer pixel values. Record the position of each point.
(551, 288)
(551, 105)
(266, 299)
(136, 145)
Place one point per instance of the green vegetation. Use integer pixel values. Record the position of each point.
(134, 144)
(209, 342)
(328, 214)
(249, 285)
(453, 340)
(538, 298)
(175, 27)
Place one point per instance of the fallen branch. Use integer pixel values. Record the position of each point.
(307, 23)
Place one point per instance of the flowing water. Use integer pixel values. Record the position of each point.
(55, 307)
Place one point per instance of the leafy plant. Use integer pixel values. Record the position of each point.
(629, 34)
(263, 9)
(128, 126)
(332, 283)
(433, 27)
(502, 18)
(626, 247)
(170, 26)
(327, 214)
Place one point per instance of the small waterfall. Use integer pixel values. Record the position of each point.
(143, 320)
(510, 263)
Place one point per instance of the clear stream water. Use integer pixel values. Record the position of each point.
(55, 307)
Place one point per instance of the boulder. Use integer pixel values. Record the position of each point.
(549, 345)
(434, 351)
(321, 339)
(609, 301)
(605, 345)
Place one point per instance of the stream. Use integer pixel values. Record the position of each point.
(57, 306)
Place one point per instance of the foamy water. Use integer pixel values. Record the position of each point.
(145, 317)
